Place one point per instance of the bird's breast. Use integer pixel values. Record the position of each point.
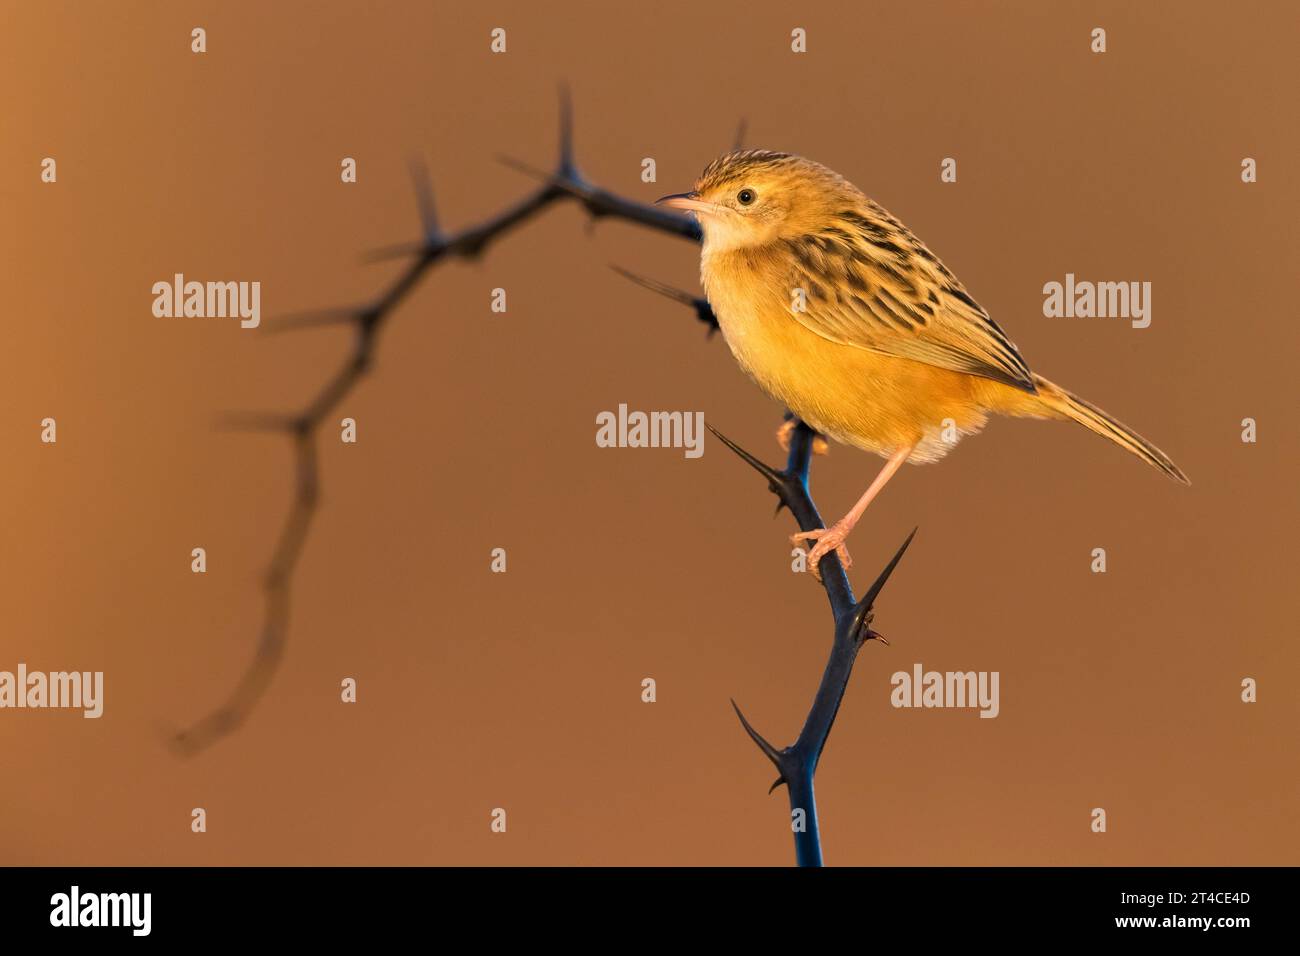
(748, 298)
(876, 402)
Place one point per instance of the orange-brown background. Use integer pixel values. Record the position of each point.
(521, 690)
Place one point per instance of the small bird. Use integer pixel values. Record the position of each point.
(834, 308)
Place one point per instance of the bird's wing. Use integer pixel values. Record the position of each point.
(868, 282)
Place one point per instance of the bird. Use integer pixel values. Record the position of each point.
(836, 309)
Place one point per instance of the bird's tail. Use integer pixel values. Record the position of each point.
(1062, 404)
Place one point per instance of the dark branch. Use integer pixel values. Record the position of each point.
(797, 763)
(564, 183)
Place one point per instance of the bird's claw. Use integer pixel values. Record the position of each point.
(828, 540)
(784, 434)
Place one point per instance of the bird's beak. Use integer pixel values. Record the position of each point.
(690, 202)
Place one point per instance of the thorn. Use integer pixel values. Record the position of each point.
(567, 169)
(654, 285)
(424, 197)
(520, 166)
(703, 311)
(566, 180)
(398, 250)
(862, 610)
(767, 471)
(775, 783)
(876, 636)
(772, 753)
(315, 319)
(741, 130)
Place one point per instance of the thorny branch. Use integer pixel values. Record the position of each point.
(797, 763)
(368, 319)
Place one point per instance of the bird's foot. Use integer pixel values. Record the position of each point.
(828, 540)
(783, 435)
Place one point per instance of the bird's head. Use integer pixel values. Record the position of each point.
(754, 197)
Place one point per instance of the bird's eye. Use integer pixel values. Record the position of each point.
(745, 197)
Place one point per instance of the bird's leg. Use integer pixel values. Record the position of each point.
(783, 435)
(833, 538)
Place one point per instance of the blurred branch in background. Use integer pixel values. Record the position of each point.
(796, 764)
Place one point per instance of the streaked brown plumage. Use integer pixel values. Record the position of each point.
(838, 311)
